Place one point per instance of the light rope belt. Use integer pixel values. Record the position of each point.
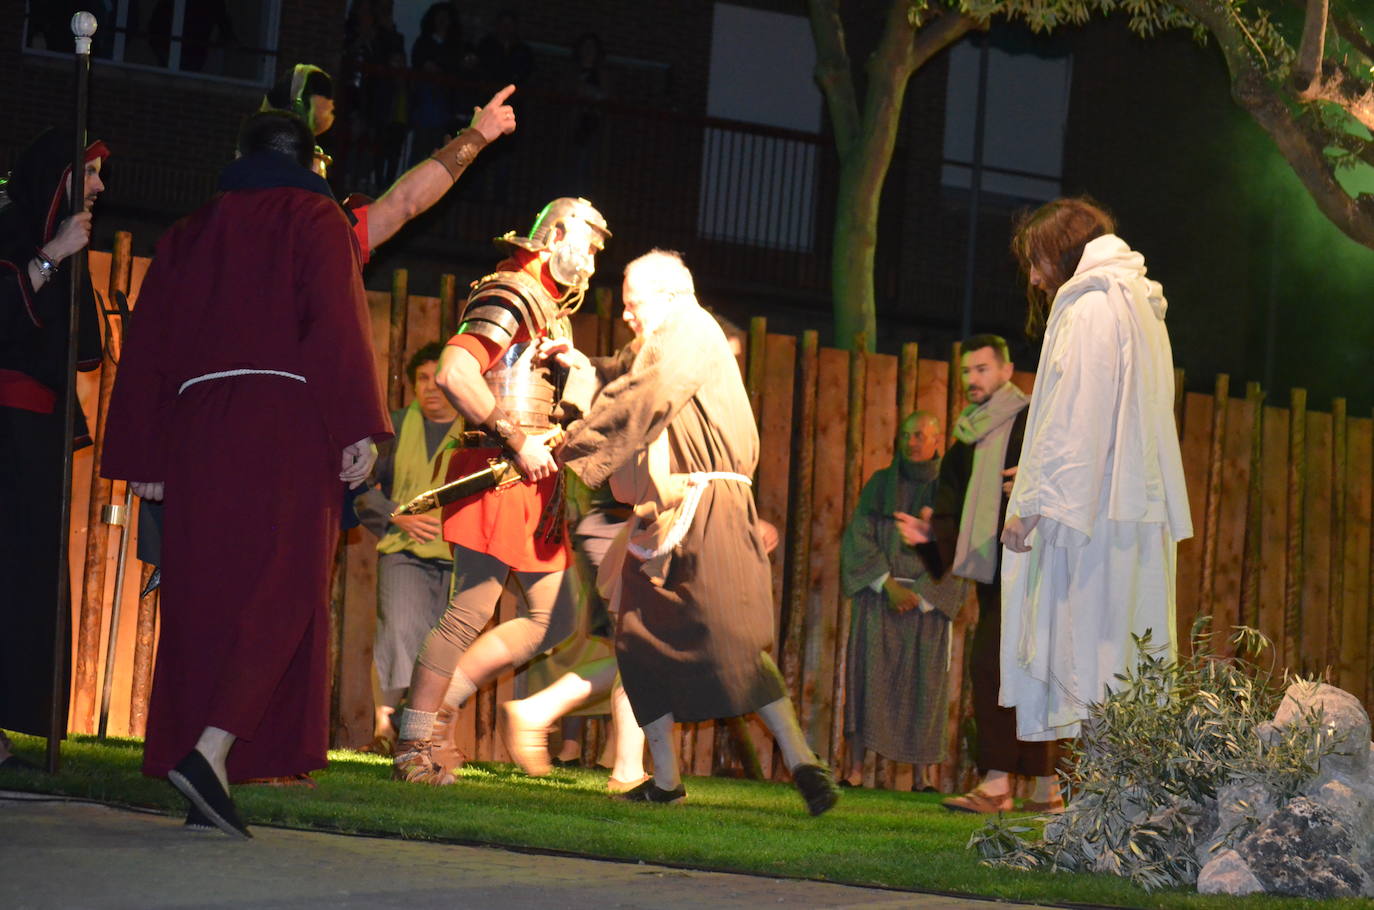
(696, 485)
(225, 374)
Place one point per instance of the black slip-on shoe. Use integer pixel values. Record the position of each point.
(817, 787)
(196, 780)
(650, 792)
(196, 820)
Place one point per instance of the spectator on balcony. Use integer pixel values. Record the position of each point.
(436, 58)
(201, 19)
(593, 87)
(897, 682)
(389, 98)
(505, 58)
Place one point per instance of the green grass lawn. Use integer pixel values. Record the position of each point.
(901, 840)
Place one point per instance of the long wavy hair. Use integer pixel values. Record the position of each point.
(1052, 239)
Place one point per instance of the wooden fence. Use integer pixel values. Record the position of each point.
(1280, 500)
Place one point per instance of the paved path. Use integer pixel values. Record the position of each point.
(73, 855)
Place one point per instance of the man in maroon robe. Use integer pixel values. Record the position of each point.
(248, 370)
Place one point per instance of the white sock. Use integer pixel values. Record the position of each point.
(659, 733)
(996, 783)
(629, 739)
(781, 721)
(416, 725)
(460, 689)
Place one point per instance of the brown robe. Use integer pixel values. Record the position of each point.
(692, 640)
(897, 673)
(256, 279)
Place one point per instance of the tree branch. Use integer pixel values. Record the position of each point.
(1303, 147)
(834, 73)
(1307, 68)
(1352, 32)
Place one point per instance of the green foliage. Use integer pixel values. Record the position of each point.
(1142, 792)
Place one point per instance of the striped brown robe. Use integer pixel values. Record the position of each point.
(695, 644)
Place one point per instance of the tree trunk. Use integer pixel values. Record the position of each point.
(854, 245)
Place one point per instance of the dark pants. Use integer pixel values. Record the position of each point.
(998, 747)
(31, 489)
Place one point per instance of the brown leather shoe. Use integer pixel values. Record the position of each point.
(414, 763)
(1053, 807)
(444, 750)
(979, 803)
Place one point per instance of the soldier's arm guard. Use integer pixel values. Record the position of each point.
(458, 154)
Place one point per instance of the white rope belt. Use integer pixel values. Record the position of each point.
(225, 374)
(696, 485)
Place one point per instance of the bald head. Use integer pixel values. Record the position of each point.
(918, 438)
(655, 284)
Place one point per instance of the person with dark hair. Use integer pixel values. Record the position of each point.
(896, 697)
(1099, 502)
(959, 538)
(39, 235)
(280, 132)
(516, 532)
(415, 563)
(667, 423)
(248, 366)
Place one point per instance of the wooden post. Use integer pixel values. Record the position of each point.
(97, 531)
(1336, 594)
(1369, 612)
(396, 350)
(1178, 399)
(799, 517)
(853, 482)
(755, 361)
(1254, 513)
(448, 306)
(906, 379)
(954, 394)
(605, 325)
(1211, 523)
(144, 638)
(1293, 561)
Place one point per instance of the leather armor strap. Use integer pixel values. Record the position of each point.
(499, 424)
(460, 152)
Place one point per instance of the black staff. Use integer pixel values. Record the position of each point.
(83, 27)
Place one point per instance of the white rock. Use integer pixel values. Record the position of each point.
(1344, 718)
(1227, 873)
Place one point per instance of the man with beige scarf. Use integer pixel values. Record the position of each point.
(961, 538)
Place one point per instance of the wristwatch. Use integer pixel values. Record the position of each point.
(46, 267)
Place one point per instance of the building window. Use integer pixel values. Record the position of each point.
(1024, 112)
(219, 39)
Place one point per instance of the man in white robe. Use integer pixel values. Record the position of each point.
(1099, 502)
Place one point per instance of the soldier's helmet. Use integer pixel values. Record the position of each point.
(573, 232)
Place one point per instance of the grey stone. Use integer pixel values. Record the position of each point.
(1239, 809)
(1304, 850)
(1227, 873)
(1344, 719)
